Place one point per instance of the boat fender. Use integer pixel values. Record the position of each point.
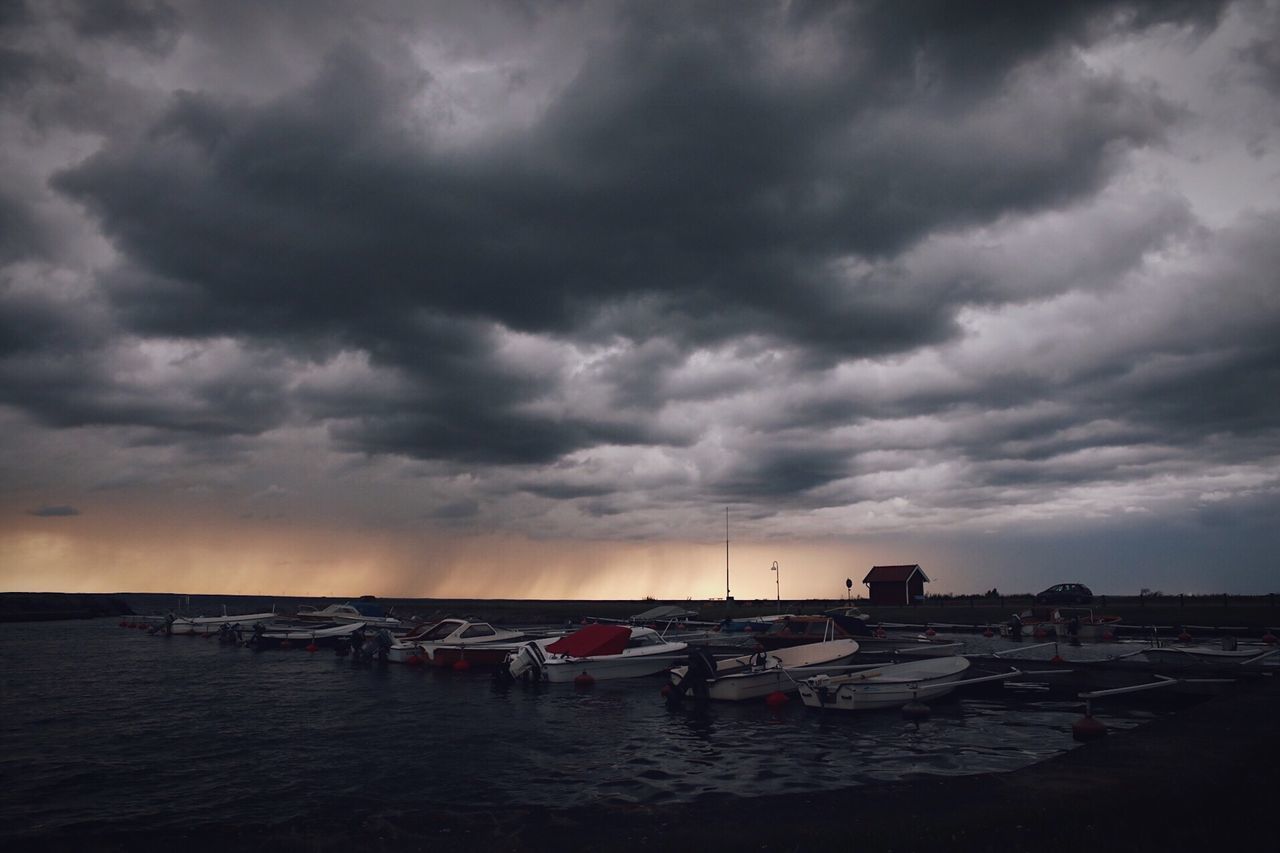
(915, 710)
(1087, 728)
(776, 699)
(583, 679)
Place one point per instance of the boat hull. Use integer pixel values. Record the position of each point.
(749, 677)
(565, 671)
(886, 687)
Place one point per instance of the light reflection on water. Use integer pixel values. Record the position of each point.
(105, 727)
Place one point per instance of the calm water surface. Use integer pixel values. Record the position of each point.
(105, 728)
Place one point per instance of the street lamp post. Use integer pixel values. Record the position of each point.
(778, 582)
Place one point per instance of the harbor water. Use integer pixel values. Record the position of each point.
(108, 730)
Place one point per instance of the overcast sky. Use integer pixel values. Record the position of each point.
(504, 299)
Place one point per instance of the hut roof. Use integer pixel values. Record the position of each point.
(894, 574)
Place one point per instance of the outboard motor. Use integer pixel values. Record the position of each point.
(701, 669)
(257, 640)
(383, 645)
(1015, 628)
(356, 639)
(527, 663)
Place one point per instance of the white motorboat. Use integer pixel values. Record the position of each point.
(757, 675)
(600, 652)
(478, 643)
(366, 613)
(1200, 656)
(210, 625)
(887, 686)
(285, 635)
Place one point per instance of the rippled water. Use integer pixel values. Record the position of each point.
(105, 728)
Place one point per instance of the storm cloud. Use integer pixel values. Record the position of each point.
(599, 270)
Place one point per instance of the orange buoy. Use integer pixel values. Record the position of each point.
(461, 665)
(584, 679)
(1087, 728)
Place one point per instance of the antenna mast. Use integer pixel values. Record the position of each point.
(726, 555)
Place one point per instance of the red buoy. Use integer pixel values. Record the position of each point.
(312, 647)
(413, 660)
(1184, 637)
(776, 699)
(929, 632)
(988, 633)
(880, 634)
(285, 644)
(1269, 638)
(1108, 637)
(1087, 728)
(666, 690)
(461, 665)
(584, 679)
(1056, 659)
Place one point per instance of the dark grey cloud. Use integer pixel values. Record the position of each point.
(57, 511)
(684, 170)
(150, 25)
(785, 256)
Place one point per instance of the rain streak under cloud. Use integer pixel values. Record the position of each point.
(490, 299)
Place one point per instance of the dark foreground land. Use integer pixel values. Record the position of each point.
(53, 606)
(1202, 779)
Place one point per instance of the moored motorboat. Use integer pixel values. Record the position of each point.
(478, 643)
(1079, 623)
(364, 612)
(598, 652)
(297, 634)
(208, 625)
(801, 630)
(757, 675)
(891, 686)
(1208, 656)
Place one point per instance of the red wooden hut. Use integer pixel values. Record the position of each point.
(896, 585)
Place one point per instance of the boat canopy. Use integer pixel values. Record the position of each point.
(593, 640)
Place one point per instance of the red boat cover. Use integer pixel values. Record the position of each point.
(593, 640)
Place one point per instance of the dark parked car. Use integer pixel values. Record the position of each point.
(1065, 593)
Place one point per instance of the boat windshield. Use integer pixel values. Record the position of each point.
(479, 630)
(645, 640)
(443, 630)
